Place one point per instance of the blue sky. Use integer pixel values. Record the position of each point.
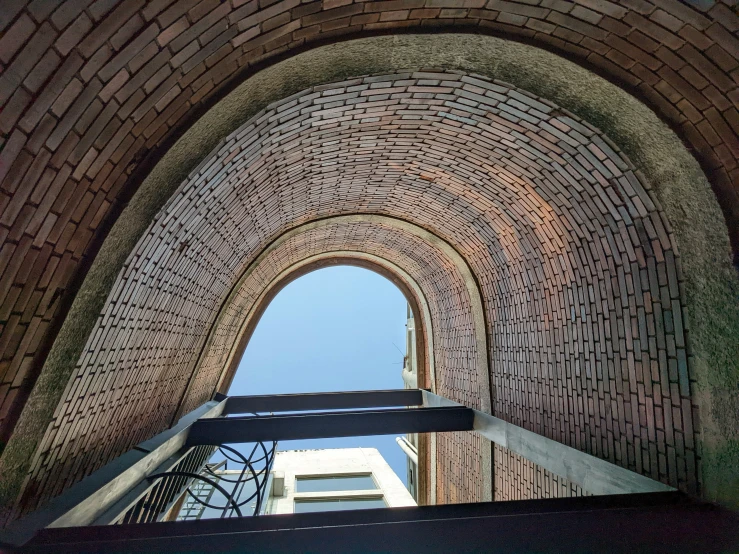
(335, 329)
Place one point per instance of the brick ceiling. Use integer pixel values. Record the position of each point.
(573, 259)
(92, 92)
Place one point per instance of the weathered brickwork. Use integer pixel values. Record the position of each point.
(517, 478)
(459, 467)
(88, 89)
(574, 260)
(454, 345)
(453, 330)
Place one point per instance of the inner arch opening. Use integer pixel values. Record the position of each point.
(333, 329)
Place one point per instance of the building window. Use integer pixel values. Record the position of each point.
(304, 505)
(335, 483)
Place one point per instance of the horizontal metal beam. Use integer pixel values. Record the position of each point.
(595, 475)
(323, 401)
(329, 424)
(660, 522)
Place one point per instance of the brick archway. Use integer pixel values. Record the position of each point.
(382, 244)
(440, 289)
(557, 228)
(444, 297)
(64, 175)
(93, 94)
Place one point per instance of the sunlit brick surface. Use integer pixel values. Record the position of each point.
(88, 89)
(574, 261)
(442, 285)
(516, 478)
(448, 300)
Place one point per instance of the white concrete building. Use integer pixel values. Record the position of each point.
(334, 479)
(409, 443)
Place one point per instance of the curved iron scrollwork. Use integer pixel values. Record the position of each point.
(246, 482)
(211, 482)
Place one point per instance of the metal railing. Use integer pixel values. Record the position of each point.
(235, 493)
(164, 493)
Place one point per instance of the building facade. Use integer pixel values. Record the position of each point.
(334, 479)
(409, 443)
(299, 481)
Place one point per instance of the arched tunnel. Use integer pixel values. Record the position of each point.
(553, 187)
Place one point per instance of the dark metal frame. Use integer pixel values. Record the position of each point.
(329, 424)
(652, 519)
(651, 522)
(321, 401)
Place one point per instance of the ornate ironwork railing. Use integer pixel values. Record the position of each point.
(194, 485)
(159, 499)
(236, 488)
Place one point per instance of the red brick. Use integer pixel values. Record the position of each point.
(606, 7)
(67, 12)
(577, 26)
(13, 109)
(126, 32)
(655, 31)
(109, 27)
(10, 150)
(13, 38)
(67, 96)
(44, 68)
(397, 15)
(128, 53)
(684, 13)
(667, 20)
(11, 8)
(24, 62)
(695, 37)
(96, 140)
(73, 34)
(722, 58)
(728, 136)
(708, 69)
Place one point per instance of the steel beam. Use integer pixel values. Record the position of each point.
(92, 497)
(595, 475)
(329, 424)
(657, 522)
(322, 401)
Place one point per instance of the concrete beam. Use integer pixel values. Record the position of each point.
(593, 474)
(90, 499)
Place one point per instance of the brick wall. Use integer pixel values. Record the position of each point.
(453, 337)
(517, 478)
(88, 89)
(572, 255)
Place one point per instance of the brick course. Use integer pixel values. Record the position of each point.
(140, 68)
(573, 258)
(453, 333)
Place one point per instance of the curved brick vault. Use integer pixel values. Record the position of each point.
(446, 302)
(436, 281)
(93, 93)
(573, 259)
